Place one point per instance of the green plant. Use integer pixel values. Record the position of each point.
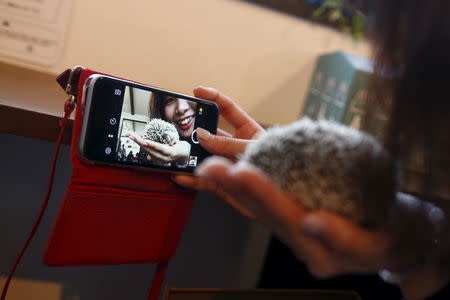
(336, 13)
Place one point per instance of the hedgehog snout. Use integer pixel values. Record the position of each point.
(170, 140)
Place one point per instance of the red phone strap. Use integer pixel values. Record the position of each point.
(158, 279)
(161, 268)
(68, 108)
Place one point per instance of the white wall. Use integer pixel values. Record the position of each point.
(260, 57)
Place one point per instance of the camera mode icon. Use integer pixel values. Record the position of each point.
(193, 161)
(108, 150)
(112, 121)
(117, 92)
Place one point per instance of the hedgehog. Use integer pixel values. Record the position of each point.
(160, 131)
(328, 166)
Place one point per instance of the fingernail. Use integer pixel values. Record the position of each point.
(312, 226)
(177, 179)
(203, 134)
(210, 89)
(182, 180)
(198, 171)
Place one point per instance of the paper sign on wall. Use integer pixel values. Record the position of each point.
(33, 31)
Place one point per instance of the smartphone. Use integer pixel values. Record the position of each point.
(119, 115)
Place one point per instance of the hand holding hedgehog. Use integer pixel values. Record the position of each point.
(162, 143)
(321, 236)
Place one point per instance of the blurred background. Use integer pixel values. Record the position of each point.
(253, 51)
(261, 57)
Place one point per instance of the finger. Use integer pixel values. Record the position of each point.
(157, 150)
(149, 145)
(230, 111)
(157, 155)
(221, 145)
(222, 132)
(216, 170)
(255, 183)
(344, 237)
(213, 165)
(274, 209)
(256, 193)
(136, 138)
(320, 261)
(156, 147)
(196, 183)
(324, 262)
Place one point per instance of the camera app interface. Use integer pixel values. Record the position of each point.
(130, 125)
(158, 129)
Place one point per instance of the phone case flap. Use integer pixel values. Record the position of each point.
(113, 215)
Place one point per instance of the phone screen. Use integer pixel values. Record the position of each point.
(136, 125)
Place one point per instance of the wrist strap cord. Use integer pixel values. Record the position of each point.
(68, 108)
(158, 277)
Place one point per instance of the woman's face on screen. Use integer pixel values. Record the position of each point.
(181, 113)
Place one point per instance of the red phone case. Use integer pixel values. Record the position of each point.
(113, 215)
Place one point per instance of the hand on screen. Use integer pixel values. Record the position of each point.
(164, 153)
(245, 128)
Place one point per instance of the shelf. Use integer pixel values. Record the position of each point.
(32, 124)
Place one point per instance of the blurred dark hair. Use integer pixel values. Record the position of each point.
(156, 107)
(411, 49)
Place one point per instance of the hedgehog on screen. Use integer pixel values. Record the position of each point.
(160, 131)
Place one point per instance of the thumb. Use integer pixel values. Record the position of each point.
(221, 145)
